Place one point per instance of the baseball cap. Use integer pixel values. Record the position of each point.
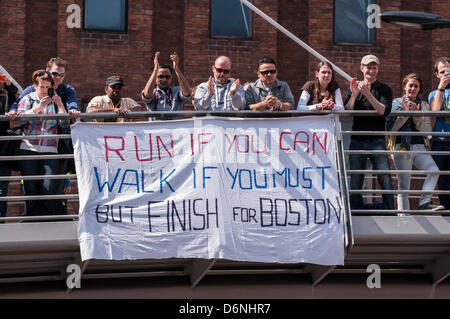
(369, 59)
(116, 79)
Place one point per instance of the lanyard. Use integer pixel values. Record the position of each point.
(224, 97)
(169, 96)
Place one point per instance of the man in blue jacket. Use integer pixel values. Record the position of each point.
(57, 68)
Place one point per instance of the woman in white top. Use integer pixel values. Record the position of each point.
(323, 93)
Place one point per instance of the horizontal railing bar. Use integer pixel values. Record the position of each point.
(377, 152)
(34, 137)
(35, 157)
(37, 177)
(395, 133)
(385, 191)
(413, 211)
(39, 218)
(396, 172)
(352, 191)
(38, 197)
(186, 114)
(241, 113)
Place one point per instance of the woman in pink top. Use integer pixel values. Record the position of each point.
(43, 101)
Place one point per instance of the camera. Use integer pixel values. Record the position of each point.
(51, 92)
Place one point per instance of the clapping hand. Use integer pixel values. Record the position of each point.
(364, 87)
(234, 86)
(175, 60)
(156, 61)
(210, 86)
(327, 104)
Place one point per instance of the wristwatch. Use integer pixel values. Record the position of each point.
(442, 90)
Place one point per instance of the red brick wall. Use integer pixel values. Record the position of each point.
(348, 57)
(440, 37)
(168, 30)
(40, 35)
(200, 50)
(292, 58)
(416, 49)
(34, 31)
(12, 37)
(96, 55)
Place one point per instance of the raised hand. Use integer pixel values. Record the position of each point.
(175, 60)
(354, 87)
(210, 86)
(404, 104)
(156, 60)
(234, 86)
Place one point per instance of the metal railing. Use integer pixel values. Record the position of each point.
(342, 153)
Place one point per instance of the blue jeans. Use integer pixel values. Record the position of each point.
(4, 171)
(443, 162)
(40, 187)
(379, 162)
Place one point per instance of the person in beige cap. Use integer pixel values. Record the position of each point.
(369, 94)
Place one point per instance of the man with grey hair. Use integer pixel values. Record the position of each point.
(220, 92)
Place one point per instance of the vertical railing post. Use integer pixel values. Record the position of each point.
(349, 241)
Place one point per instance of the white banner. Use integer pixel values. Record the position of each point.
(263, 190)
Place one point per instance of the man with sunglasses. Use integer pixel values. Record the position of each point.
(220, 92)
(57, 68)
(158, 93)
(269, 93)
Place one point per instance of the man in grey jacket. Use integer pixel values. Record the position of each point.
(219, 92)
(269, 93)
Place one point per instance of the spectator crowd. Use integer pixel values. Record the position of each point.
(48, 94)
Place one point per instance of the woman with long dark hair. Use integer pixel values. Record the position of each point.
(323, 93)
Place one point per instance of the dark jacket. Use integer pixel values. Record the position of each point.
(7, 98)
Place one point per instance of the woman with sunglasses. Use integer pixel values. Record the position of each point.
(42, 101)
(323, 93)
(410, 101)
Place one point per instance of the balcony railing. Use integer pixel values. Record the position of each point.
(342, 137)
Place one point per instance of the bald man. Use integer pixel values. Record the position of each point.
(219, 92)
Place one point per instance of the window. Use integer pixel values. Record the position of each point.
(350, 22)
(230, 18)
(110, 15)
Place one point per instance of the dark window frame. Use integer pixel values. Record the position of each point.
(232, 37)
(361, 44)
(106, 30)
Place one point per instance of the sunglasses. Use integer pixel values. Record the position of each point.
(268, 71)
(164, 77)
(54, 73)
(222, 70)
(41, 73)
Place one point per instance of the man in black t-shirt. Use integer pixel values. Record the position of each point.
(369, 94)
